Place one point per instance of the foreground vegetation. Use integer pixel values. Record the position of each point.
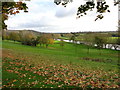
(56, 66)
(24, 75)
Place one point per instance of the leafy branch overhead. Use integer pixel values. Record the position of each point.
(101, 7)
(11, 8)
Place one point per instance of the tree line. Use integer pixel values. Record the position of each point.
(91, 39)
(98, 40)
(29, 38)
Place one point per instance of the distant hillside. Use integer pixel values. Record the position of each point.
(35, 32)
(113, 33)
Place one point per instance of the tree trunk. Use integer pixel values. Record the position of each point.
(100, 51)
(88, 50)
(62, 48)
(76, 48)
(46, 45)
(2, 37)
(115, 47)
(105, 45)
(40, 45)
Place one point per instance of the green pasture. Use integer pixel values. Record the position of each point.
(70, 66)
(68, 54)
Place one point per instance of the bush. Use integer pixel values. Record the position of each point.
(27, 38)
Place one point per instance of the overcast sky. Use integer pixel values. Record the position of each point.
(46, 16)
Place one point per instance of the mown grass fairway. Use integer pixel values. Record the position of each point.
(56, 66)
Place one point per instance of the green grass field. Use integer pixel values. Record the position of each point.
(56, 66)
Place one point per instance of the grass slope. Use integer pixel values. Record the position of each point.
(69, 61)
(68, 55)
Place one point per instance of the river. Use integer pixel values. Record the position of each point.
(107, 46)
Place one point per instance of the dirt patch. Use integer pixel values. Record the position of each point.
(51, 47)
(11, 54)
(97, 59)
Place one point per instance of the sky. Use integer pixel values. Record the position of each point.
(46, 16)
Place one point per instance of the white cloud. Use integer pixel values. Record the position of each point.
(64, 12)
(45, 16)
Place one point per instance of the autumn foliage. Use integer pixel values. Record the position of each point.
(11, 8)
(56, 76)
(46, 39)
(29, 38)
